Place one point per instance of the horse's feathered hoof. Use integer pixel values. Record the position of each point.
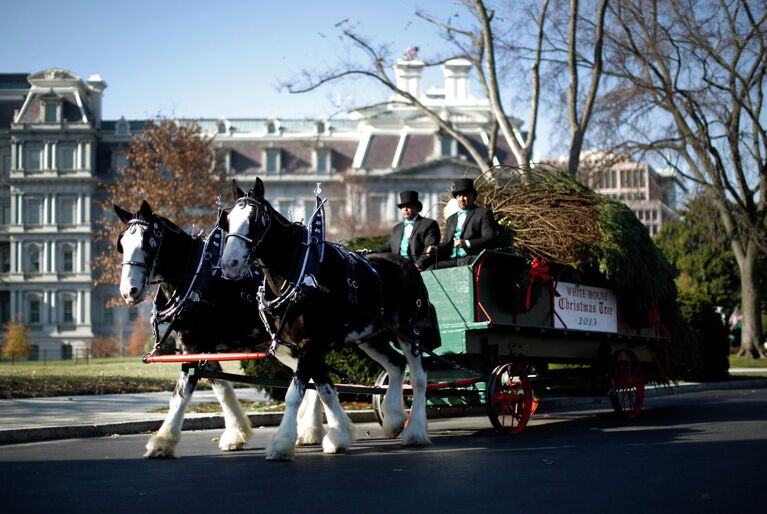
(310, 436)
(160, 448)
(234, 439)
(415, 438)
(279, 456)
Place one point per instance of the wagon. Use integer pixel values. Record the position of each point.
(512, 332)
(522, 330)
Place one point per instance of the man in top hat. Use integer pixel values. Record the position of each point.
(468, 231)
(410, 237)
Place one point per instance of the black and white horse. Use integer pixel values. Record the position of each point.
(210, 314)
(316, 294)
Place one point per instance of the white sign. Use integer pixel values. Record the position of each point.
(585, 308)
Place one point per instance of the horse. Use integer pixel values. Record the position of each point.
(316, 294)
(208, 314)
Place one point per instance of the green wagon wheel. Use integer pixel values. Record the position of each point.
(509, 398)
(628, 381)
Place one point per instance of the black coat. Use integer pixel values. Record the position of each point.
(479, 230)
(425, 233)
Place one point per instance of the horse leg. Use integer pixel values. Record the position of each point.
(417, 432)
(310, 413)
(283, 446)
(163, 443)
(392, 409)
(238, 429)
(340, 432)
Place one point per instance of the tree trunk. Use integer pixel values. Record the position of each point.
(751, 335)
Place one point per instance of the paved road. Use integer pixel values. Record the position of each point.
(692, 452)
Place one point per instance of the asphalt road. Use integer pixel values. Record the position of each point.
(695, 452)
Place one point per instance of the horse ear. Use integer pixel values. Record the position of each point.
(145, 210)
(258, 189)
(124, 215)
(223, 220)
(237, 193)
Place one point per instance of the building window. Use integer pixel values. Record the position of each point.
(221, 127)
(120, 162)
(284, 206)
(109, 315)
(376, 208)
(273, 160)
(446, 146)
(34, 305)
(5, 165)
(320, 127)
(335, 210)
(34, 253)
(68, 310)
(68, 259)
(67, 210)
(34, 214)
(35, 159)
(122, 128)
(323, 161)
(51, 112)
(68, 155)
(271, 128)
(5, 211)
(309, 208)
(5, 257)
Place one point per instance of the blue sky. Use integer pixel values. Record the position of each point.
(207, 59)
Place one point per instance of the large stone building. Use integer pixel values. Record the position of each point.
(56, 151)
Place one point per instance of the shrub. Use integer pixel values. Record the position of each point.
(355, 367)
(710, 334)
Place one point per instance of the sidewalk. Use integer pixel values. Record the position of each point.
(63, 417)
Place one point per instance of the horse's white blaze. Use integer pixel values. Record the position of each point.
(235, 255)
(132, 277)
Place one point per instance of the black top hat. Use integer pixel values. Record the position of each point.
(406, 197)
(463, 185)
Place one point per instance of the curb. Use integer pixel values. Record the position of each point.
(258, 420)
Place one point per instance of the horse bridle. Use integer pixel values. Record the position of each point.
(155, 242)
(266, 220)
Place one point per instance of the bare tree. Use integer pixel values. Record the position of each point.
(490, 41)
(692, 82)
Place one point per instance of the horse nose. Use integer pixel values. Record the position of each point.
(234, 263)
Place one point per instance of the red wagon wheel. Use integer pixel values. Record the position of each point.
(627, 394)
(509, 398)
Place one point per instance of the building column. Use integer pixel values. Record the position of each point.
(20, 212)
(53, 257)
(87, 163)
(86, 210)
(52, 201)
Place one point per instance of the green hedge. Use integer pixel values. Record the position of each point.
(710, 340)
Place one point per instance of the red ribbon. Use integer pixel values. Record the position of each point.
(539, 270)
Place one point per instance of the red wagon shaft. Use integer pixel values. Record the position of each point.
(200, 357)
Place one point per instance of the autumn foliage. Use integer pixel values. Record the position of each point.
(15, 341)
(170, 165)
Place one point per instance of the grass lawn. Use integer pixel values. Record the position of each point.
(96, 376)
(742, 362)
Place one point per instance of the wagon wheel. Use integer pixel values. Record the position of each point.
(628, 381)
(509, 398)
(383, 381)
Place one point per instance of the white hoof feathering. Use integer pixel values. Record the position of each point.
(392, 424)
(310, 434)
(415, 435)
(160, 447)
(280, 449)
(234, 439)
(337, 441)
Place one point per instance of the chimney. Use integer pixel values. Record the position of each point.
(408, 73)
(97, 86)
(456, 72)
